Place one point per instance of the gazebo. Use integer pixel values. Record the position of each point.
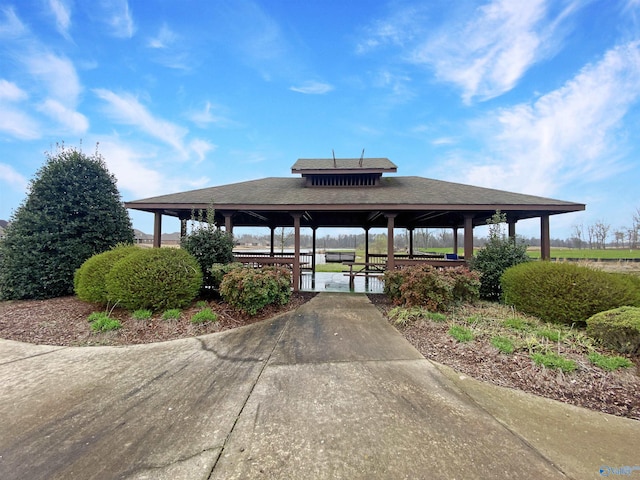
(355, 192)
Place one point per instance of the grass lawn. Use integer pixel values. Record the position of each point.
(609, 253)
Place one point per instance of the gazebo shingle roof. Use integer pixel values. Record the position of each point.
(405, 195)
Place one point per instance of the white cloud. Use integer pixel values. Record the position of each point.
(18, 124)
(11, 26)
(12, 178)
(312, 88)
(129, 164)
(117, 15)
(62, 14)
(9, 91)
(164, 39)
(489, 53)
(57, 75)
(201, 148)
(566, 135)
(72, 121)
(128, 110)
(206, 116)
(483, 51)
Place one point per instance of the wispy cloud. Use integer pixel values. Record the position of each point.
(567, 135)
(130, 162)
(483, 51)
(164, 39)
(312, 88)
(12, 178)
(118, 17)
(489, 53)
(9, 91)
(126, 109)
(62, 14)
(208, 115)
(71, 121)
(56, 74)
(18, 124)
(11, 26)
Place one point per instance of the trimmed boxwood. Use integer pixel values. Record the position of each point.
(89, 281)
(618, 329)
(566, 292)
(156, 278)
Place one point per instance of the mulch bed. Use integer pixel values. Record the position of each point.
(617, 392)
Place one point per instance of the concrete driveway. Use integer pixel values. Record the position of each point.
(329, 391)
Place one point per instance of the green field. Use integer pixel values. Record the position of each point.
(585, 253)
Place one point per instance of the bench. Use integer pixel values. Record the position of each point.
(339, 257)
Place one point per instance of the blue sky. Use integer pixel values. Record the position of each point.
(538, 97)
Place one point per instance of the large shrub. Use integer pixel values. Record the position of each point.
(208, 245)
(499, 253)
(156, 278)
(90, 279)
(72, 211)
(219, 270)
(432, 288)
(249, 290)
(618, 329)
(565, 292)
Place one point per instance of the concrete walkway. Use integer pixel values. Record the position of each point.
(330, 391)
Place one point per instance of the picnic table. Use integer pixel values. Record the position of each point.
(357, 269)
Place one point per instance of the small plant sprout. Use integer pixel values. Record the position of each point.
(204, 315)
(172, 314)
(202, 304)
(504, 344)
(461, 333)
(609, 363)
(101, 322)
(142, 314)
(554, 361)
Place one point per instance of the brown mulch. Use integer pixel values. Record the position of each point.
(63, 321)
(617, 392)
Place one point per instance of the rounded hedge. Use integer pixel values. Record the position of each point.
(565, 292)
(156, 278)
(89, 281)
(249, 290)
(618, 329)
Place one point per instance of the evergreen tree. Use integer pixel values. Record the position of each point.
(499, 253)
(73, 210)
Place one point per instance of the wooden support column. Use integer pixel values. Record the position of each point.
(512, 230)
(391, 263)
(545, 238)
(455, 240)
(157, 230)
(468, 237)
(366, 244)
(313, 250)
(296, 251)
(273, 238)
(410, 242)
(228, 223)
